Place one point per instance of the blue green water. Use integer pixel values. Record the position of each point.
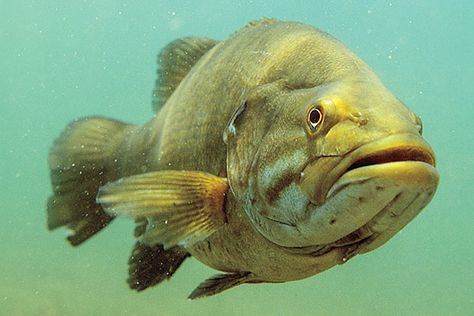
(64, 59)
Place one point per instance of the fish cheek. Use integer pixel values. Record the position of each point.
(276, 175)
(273, 193)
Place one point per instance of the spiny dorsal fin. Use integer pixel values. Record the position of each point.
(219, 283)
(182, 207)
(263, 21)
(174, 63)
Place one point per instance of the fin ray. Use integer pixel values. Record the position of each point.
(220, 283)
(150, 265)
(181, 207)
(78, 163)
(174, 63)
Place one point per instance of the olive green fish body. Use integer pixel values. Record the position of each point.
(273, 155)
(203, 104)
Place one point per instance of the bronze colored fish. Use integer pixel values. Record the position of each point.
(274, 155)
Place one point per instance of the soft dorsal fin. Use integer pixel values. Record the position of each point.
(174, 63)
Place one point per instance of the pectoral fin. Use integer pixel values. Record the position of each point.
(219, 283)
(181, 207)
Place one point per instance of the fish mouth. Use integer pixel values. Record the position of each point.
(395, 153)
(404, 162)
(318, 177)
(396, 212)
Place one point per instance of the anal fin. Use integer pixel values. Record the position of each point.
(220, 283)
(181, 207)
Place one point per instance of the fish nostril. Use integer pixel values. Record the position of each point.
(358, 118)
(417, 120)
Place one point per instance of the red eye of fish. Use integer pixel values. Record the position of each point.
(315, 117)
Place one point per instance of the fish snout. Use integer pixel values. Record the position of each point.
(373, 191)
(320, 174)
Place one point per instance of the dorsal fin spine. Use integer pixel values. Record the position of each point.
(174, 63)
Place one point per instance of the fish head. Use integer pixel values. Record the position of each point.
(338, 167)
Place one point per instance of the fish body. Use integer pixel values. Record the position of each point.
(273, 155)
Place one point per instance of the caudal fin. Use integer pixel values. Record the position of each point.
(80, 161)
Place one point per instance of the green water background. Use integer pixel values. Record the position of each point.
(60, 60)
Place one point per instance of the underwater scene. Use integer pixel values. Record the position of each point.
(226, 111)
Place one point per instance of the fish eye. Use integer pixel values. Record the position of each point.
(314, 117)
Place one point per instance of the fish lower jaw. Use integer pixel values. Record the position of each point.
(414, 175)
(376, 232)
(394, 193)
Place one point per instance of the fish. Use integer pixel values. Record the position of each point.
(273, 155)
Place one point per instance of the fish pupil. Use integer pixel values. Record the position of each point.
(315, 116)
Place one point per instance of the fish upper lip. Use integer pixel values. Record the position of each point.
(405, 152)
(392, 148)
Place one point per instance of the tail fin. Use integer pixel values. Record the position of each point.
(81, 161)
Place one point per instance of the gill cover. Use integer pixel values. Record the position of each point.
(254, 141)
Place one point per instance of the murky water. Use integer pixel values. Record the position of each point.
(60, 60)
